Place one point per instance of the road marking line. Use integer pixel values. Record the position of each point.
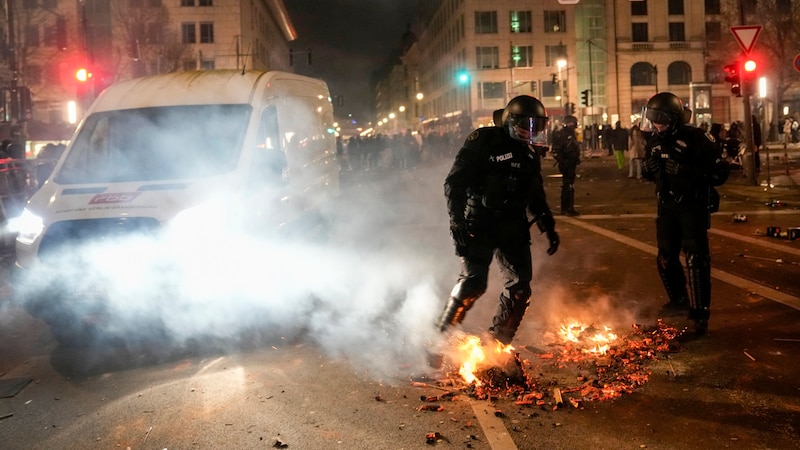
(772, 245)
(493, 427)
(760, 289)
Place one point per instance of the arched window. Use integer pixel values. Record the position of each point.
(643, 74)
(679, 72)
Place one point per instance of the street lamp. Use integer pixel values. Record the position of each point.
(563, 85)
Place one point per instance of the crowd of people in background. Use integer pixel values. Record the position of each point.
(408, 149)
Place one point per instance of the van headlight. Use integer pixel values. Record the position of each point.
(28, 227)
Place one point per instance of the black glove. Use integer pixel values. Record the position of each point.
(547, 225)
(672, 167)
(459, 231)
(651, 165)
(554, 240)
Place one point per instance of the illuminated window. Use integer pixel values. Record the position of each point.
(555, 22)
(522, 56)
(520, 22)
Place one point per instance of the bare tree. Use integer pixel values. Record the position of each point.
(144, 42)
(778, 41)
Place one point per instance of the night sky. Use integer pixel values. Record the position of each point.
(349, 41)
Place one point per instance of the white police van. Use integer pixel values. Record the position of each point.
(180, 152)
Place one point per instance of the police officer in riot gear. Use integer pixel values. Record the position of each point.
(494, 183)
(567, 153)
(685, 163)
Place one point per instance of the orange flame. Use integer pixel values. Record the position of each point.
(472, 354)
(599, 342)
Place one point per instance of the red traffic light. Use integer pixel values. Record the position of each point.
(749, 65)
(82, 75)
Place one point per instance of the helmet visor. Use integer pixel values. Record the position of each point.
(528, 129)
(652, 116)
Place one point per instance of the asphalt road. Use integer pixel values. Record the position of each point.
(352, 385)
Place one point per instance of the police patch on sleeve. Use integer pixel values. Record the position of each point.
(472, 136)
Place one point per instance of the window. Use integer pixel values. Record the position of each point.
(50, 36)
(639, 8)
(487, 57)
(33, 74)
(676, 32)
(206, 33)
(205, 3)
(552, 53)
(485, 22)
(679, 72)
(712, 6)
(32, 36)
(520, 22)
(522, 56)
(675, 7)
(188, 33)
(207, 64)
(639, 32)
(713, 31)
(643, 74)
(187, 2)
(549, 89)
(555, 22)
(493, 90)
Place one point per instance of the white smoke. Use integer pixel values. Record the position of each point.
(370, 294)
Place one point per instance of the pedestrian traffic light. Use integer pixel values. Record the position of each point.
(733, 77)
(585, 97)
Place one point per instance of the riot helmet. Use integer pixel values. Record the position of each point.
(570, 121)
(663, 113)
(525, 119)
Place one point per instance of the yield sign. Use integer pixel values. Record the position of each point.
(746, 35)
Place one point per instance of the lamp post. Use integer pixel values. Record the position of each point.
(419, 98)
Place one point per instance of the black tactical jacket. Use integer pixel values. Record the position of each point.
(495, 176)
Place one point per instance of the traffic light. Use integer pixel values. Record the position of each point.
(733, 77)
(462, 76)
(749, 76)
(585, 97)
(569, 109)
(83, 75)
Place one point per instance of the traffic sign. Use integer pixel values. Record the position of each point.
(746, 35)
(797, 62)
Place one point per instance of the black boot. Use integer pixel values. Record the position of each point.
(699, 269)
(674, 281)
(508, 318)
(453, 314)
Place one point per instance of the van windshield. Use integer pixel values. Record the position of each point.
(160, 143)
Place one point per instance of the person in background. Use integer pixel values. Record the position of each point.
(493, 185)
(619, 142)
(685, 164)
(567, 153)
(635, 152)
(756, 143)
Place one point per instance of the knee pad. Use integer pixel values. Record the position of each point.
(468, 290)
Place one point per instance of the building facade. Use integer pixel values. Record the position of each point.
(600, 60)
(49, 41)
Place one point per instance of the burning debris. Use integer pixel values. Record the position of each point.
(609, 365)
